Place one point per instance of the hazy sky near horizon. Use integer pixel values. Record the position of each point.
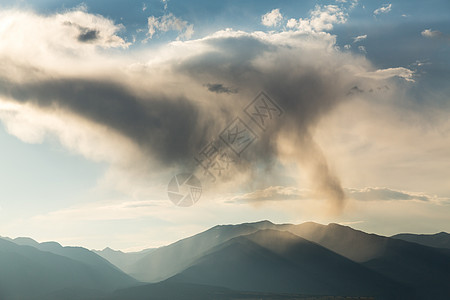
(103, 102)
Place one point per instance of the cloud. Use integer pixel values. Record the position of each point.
(272, 193)
(272, 19)
(386, 194)
(381, 74)
(157, 114)
(383, 9)
(362, 49)
(165, 3)
(169, 22)
(74, 35)
(431, 33)
(285, 193)
(435, 34)
(359, 38)
(86, 35)
(220, 88)
(322, 18)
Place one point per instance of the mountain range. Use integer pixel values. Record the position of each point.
(258, 260)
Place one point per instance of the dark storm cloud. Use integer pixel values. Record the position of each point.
(306, 87)
(172, 129)
(220, 88)
(165, 128)
(85, 35)
(88, 36)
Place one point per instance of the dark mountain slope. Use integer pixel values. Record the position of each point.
(28, 273)
(425, 269)
(276, 261)
(167, 261)
(438, 240)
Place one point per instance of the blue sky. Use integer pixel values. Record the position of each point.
(93, 129)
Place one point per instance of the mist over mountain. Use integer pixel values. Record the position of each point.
(438, 240)
(120, 259)
(29, 273)
(172, 259)
(258, 260)
(278, 261)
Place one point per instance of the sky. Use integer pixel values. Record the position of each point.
(290, 111)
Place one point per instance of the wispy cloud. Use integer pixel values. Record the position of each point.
(383, 9)
(386, 194)
(435, 34)
(359, 38)
(401, 72)
(272, 193)
(431, 33)
(169, 22)
(291, 193)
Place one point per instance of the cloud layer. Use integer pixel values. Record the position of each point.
(167, 109)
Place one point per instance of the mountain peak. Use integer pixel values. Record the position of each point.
(110, 250)
(25, 241)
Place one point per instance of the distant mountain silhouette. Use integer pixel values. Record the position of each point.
(76, 253)
(426, 270)
(167, 261)
(122, 260)
(258, 260)
(29, 273)
(369, 250)
(438, 240)
(346, 241)
(278, 261)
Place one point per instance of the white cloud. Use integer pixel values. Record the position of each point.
(381, 74)
(168, 23)
(67, 36)
(383, 9)
(362, 49)
(322, 18)
(272, 19)
(353, 4)
(347, 47)
(359, 38)
(431, 33)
